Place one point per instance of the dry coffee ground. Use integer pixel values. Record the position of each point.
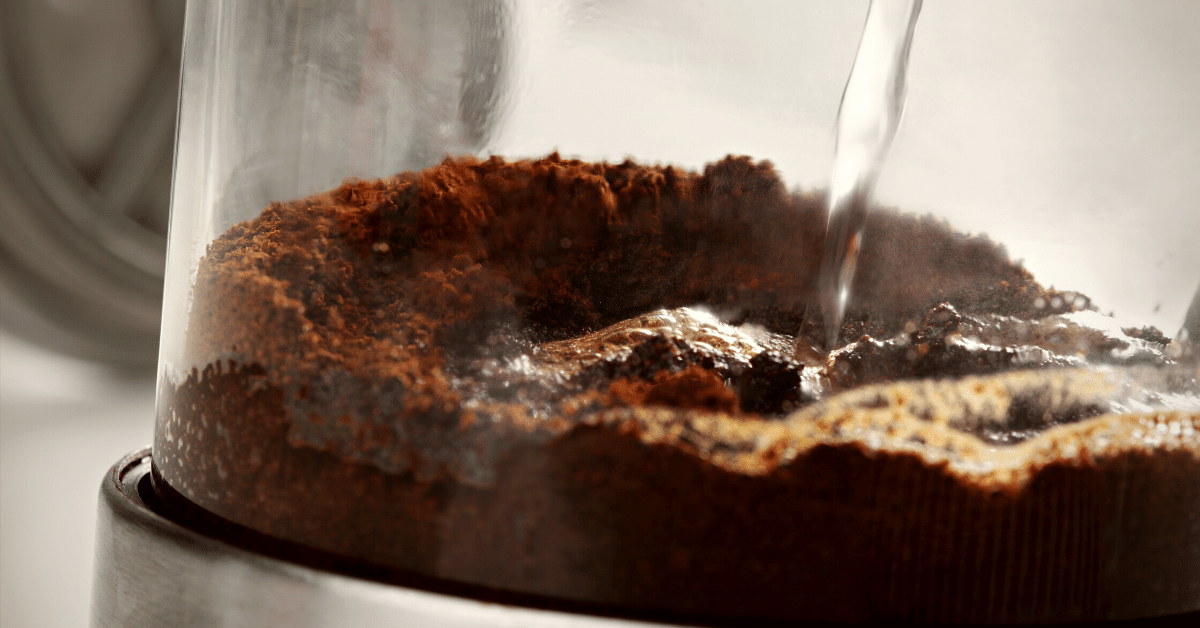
(576, 380)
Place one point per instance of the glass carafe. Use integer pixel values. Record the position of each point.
(506, 295)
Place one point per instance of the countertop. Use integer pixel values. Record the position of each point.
(63, 423)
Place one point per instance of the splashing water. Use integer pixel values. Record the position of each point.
(870, 113)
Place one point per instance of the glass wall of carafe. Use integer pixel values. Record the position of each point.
(514, 295)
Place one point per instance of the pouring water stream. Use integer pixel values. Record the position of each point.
(871, 108)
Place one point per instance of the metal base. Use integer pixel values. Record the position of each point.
(151, 571)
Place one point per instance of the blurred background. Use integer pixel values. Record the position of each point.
(88, 92)
(87, 123)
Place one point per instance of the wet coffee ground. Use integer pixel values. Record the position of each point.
(578, 380)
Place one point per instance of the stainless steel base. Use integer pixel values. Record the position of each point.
(151, 571)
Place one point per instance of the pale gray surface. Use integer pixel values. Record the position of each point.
(63, 423)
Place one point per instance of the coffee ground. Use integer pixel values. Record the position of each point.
(576, 380)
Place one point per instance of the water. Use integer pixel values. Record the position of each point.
(870, 113)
